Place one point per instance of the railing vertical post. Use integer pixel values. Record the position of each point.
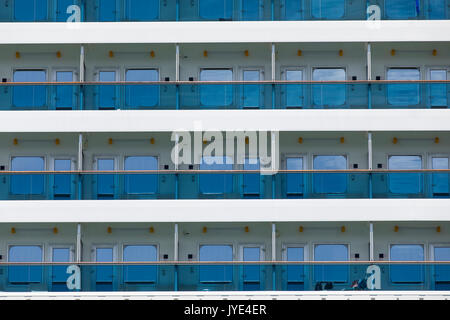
(177, 74)
(272, 10)
(273, 75)
(369, 75)
(177, 10)
(82, 75)
(80, 166)
(371, 241)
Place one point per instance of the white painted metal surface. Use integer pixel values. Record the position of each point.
(225, 32)
(221, 120)
(248, 210)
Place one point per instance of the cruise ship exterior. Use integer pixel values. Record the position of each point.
(220, 149)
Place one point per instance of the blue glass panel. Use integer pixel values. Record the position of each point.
(63, 182)
(104, 274)
(216, 183)
(442, 271)
(252, 272)
(141, 183)
(328, 95)
(438, 91)
(294, 181)
(330, 182)
(251, 92)
(25, 274)
(436, 9)
(328, 9)
(64, 93)
(293, 10)
(107, 93)
(61, 9)
(405, 183)
(30, 10)
(216, 95)
(216, 273)
(30, 96)
(59, 271)
(331, 273)
(402, 9)
(294, 92)
(440, 181)
(27, 184)
(216, 9)
(295, 274)
(403, 94)
(251, 10)
(407, 273)
(107, 10)
(142, 95)
(142, 10)
(105, 182)
(140, 273)
(251, 180)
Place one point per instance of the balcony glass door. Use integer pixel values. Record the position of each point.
(251, 274)
(294, 92)
(328, 9)
(294, 181)
(295, 278)
(142, 96)
(107, 93)
(329, 95)
(405, 182)
(403, 94)
(104, 274)
(251, 93)
(30, 10)
(330, 182)
(105, 182)
(141, 10)
(251, 181)
(442, 271)
(407, 273)
(59, 275)
(438, 91)
(216, 95)
(213, 183)
(141, 184)
(440, 181)
(107, 10)
(292, 9)
(28, 185)
(251, 10)
(65, 94)
(62, 183)
(218, 10)
(29, 96)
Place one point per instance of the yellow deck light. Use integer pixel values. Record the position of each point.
(395, 228)
(205, 229)
(111, 54)
(393, 52)
(205, 54)
(300, 229)
(299, 53)
(300, 140)
(394, 140)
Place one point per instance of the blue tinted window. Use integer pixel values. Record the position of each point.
(140, 273)
(408, 182)
(104, 273)
(438, 91)
(331, 252)
(216, 95)
(294, 92)
(216, 9)
(251, 92)
(216, 183)
(330, 182)
(25, 274)
(329, 94)
(59, 272)
(402, 9)
(251, 180)
(61, 9)
(139, 96)
(141, 183)
(63, 182)
(142, 10)
(64, 93)
(328, 9)
(407, 273)
(107, 93)
(294, 181)
(442, 270)
(403, 94)
(251, 272)
(293, 9)
(216, 273)
(27, 184)
(295, 273)
(105, 182)
(107, 10)
(30, 10)
(436, 9)
(440, 183)
(250, 9)
(27, 95)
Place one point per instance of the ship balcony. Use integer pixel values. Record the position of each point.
(212, 184)
(227, 276)
(225, 95)
(221, 10)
